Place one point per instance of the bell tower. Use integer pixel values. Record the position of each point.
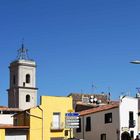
(22, 92)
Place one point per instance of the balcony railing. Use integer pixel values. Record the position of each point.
(132, 123)
(55, 126)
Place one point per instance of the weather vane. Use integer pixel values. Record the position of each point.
(22, 52)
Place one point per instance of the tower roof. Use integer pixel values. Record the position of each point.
(22, 53)
(23, 58)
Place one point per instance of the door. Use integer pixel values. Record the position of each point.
(103, 136)
(125, 136)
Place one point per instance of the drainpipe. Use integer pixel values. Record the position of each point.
(42, 122)
(83, 128)
(36, 117)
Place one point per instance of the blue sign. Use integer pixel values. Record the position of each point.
(72, 114)
(72, 120)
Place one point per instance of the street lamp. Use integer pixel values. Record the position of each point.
(135, 62)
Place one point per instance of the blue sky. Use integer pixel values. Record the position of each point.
(75, 43)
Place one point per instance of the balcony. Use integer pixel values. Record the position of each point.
(132, 123)
(57, 127)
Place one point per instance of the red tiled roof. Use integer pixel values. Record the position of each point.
(4, 108)
(7, 126)
(99, 109)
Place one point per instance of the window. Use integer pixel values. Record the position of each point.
(79, 129)
(23, 84)
(132, 134)
(27, 78)
(15, 121)
(66, 132)
(103, 136)
(108, 118)
(27, 98)
(88, 124)
(130, 115)
(132, 122)
(56, 120)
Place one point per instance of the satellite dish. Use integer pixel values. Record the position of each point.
(99, 101)
(138, 95)
(91, 96)
(95, 99)
(91, 99)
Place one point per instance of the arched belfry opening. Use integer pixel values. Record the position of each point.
(27, 78)
(28, 98)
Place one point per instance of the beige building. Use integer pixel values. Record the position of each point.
(115, 121)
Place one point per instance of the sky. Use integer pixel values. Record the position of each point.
(81, 46)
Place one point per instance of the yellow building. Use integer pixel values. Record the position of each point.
(2, 134)
(46, 121)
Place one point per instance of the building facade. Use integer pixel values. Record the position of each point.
(118, 121)
(46, 121)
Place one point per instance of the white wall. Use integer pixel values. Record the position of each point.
(128, 104)
(22, 98)
(25, 69)
(6, 119)
(139, 124)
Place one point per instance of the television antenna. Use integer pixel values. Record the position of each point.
(93, 88)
